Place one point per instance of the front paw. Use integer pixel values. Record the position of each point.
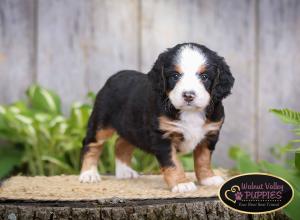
(212, 181)
(90, 176)
(184, 187)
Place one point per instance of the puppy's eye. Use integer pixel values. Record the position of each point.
(175, 76)
(203, 77)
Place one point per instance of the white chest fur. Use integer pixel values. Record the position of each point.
(192, 126)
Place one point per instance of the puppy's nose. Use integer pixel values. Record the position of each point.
(189, 96)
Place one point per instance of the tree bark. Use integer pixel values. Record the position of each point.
(177, 208)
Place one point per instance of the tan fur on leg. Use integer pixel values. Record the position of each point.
(202, 163)
(175, 176)
(91, 157)
(89, 172)
(124, 151)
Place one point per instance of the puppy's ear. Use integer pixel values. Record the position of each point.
(223, 82)
(156, 74)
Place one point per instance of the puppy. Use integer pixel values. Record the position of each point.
(176, 107)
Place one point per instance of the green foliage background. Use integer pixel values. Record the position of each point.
(40, 140)
(290, 171)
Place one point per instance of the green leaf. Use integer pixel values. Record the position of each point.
(2, 110)
(287, 115)
(244, 163)
(44, 100)
(279, 151)
(58, 162)
(80, 114)
(296, 131)
(187, 162)
(143, 162)
(291, 176)
(23, 119)
(91, 96)
(9, 158)
(292, 210)
(297, 160)
(19, 128)
(21, 106)
(3, 124)
(57, 120)
(42, 117)
(235, 152)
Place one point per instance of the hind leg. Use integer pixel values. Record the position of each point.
(124, 152)
(91, 153)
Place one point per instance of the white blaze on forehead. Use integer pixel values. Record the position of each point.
(190, 59)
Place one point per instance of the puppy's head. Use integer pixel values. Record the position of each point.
(191, 76)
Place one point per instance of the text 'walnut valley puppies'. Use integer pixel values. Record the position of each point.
(176, 107)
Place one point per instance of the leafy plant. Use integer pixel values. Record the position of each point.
(245, 164)
(44, 141)
(40, 140)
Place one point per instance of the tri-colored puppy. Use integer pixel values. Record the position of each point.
(176, 107)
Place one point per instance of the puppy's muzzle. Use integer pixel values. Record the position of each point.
(189, 96)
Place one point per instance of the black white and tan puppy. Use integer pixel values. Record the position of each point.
(176, 107)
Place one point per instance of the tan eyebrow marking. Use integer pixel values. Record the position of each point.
(201, 69)
(178, 69)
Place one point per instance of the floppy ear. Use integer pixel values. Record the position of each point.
(223, 82)
(156, 74)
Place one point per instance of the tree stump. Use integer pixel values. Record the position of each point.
(62, 197)
(179, 208)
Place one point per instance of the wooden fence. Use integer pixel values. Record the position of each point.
(74, 46)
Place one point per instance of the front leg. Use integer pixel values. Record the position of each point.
(202, 162)
(173, 173)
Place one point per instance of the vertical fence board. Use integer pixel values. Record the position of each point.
(63, 32)
(227, 27)
(82, 43)
(114, 40)
(279, 78)
(16, 48)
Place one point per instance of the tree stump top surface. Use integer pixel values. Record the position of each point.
(68, 188)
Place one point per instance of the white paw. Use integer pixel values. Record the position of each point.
(124, 172)
(184, 187)
(212, 181)
(90, 176)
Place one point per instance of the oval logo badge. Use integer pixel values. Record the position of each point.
(256, 193)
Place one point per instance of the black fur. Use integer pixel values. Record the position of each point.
(131, 102)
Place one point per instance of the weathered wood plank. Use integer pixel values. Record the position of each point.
(82, 43)
(113, 44)
(63, 33)
(17, 61)
(279, 79)
(227, 27)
